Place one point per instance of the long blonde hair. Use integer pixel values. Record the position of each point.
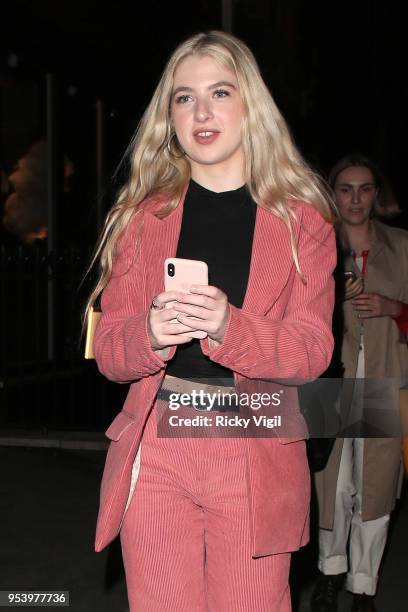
(275, 172)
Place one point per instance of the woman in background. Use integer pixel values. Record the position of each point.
(358, 487)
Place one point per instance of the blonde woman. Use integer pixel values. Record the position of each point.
(209, 523)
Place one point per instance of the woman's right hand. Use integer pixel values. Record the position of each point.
(162, 325)
(353, 288)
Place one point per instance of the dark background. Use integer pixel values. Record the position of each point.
(337, 70)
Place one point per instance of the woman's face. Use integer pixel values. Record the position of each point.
(207, 113)
(355, 193)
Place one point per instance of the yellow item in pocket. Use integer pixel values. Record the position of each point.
(93, 319)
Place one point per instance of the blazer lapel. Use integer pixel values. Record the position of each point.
(271, 261)
(271, 258)
(159, 241)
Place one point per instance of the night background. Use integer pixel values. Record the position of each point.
(75, 78)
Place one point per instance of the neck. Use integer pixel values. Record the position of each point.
(226, 176)
(358, 236)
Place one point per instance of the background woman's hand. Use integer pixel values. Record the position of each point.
(163, 328)
(353, 288)
(210, 305)
(368, 305)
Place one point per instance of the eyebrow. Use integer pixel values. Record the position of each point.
(214, 86)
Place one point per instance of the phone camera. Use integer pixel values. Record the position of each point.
(170, 269)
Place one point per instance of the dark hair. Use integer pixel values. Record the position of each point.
(385, 205)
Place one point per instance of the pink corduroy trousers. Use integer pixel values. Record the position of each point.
(186, 536)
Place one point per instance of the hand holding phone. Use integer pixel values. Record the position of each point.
(210, 305)
(350, 275)
(354, 284)
(179, 275)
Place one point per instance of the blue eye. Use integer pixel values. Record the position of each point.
(182, 99)
(221, 93)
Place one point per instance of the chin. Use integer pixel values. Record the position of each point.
(204, 161)
(211, 160)
(357, 221)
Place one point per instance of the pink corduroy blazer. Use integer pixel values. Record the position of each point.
(282, 331)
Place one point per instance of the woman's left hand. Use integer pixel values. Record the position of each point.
(368, 305)
(210, 305)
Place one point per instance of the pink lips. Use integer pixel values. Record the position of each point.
(205, 140)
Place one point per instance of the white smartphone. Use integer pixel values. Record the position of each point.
(179, 275)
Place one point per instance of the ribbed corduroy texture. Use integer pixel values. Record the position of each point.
(186, 537)
(283, 331)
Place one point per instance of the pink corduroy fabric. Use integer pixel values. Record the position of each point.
(186, 537)
(282, 332)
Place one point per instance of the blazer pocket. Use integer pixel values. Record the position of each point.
(119, 425)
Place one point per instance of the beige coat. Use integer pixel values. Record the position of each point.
(386, 357)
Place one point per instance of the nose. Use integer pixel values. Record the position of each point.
(202, 110)
(356, 196)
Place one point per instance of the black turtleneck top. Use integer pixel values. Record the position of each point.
(216, 228)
